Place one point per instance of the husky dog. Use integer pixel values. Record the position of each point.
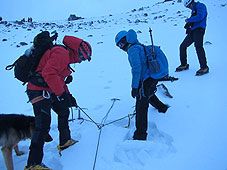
(13, 129)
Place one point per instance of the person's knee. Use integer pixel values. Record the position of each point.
(63, 112)
(42, 122)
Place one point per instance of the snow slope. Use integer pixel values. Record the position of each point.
(190, 136)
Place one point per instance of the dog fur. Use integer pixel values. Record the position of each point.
(13, 129)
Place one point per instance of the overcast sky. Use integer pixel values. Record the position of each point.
(47, 10)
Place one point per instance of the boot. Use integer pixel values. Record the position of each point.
(163, 109)
(69, 143)
(37, 167)
(202, 71)
(182, 67)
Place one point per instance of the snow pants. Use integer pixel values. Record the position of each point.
(142, 104)
(42, 111)
(195, 36)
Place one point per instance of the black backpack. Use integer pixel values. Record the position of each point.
(25, 65)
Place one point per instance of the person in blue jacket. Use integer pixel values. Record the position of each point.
(195, 29)
(143, 86)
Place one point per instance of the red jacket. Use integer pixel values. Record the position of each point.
(54, 66)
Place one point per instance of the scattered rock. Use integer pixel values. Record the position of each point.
(134, 10)
(73, 17)
(4, 39)
(141, 9)
(23, 43)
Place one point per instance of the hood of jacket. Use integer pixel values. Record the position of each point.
(73, 44)
(131, 37)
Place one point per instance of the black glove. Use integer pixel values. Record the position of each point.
(134, 92)
(188, 26)
(61, 101)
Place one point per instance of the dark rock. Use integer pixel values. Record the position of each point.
(73, 17)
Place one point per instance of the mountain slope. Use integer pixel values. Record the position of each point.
(191, 135)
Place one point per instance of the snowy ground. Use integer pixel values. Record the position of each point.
(190, 136)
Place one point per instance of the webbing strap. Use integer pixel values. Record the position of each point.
(37, 99)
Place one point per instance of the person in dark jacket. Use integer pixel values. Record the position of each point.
(195, 28)
(143, 86)
(54, 68)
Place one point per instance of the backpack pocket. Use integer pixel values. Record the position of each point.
(154, 66)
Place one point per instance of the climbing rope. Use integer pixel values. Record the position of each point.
(102, 124)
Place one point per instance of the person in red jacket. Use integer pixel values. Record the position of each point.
(54, 68)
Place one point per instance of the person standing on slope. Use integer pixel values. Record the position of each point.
(54, 69)
(195, 28)
(143, 86)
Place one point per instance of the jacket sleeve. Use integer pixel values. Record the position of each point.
(201, 14)
(57, 62)
(135, 63)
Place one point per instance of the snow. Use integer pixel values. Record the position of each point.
(190, 136)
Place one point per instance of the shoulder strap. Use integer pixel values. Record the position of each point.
(153, 53)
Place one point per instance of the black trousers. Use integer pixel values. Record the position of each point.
(42, 111)
(142, 104)
(196, 36)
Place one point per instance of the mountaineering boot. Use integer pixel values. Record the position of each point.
(37, 167)
(182, 67)
(163, 109)
(69, 143)
(202, 71)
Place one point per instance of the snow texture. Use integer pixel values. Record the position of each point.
(190, 136)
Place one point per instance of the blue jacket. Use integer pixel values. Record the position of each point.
(199, 20)
(137, 59)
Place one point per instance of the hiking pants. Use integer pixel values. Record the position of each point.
(142, 104)
(195, 36)
(42, 111)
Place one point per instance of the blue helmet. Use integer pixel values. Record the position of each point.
(120, 35)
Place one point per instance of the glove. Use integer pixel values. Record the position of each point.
(61, 102)
(135, 92)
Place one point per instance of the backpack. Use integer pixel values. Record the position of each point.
(25, 65)
(157, 62)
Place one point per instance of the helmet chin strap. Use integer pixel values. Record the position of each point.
(126, 47)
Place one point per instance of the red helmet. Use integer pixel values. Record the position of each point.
(85, 50)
